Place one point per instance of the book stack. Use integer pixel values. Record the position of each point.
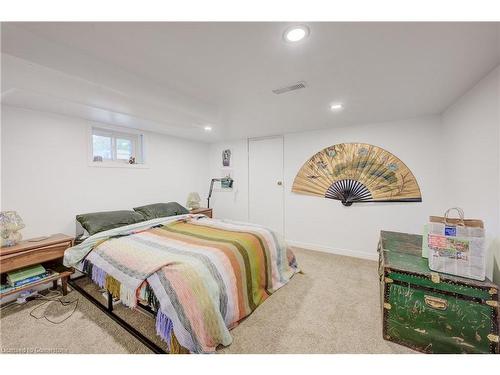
(26, 275)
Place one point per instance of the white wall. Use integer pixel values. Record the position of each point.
(47, 179)
(471, 141)
(327, 225)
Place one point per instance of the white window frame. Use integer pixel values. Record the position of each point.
(136, 136)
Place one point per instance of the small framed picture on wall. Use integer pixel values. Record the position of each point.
(226, 158)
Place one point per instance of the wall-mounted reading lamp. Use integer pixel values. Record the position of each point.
(225, 181)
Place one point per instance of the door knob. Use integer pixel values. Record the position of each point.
(280, 183)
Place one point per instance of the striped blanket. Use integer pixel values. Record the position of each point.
(206, 275)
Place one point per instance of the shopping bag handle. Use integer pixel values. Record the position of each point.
(460, 214)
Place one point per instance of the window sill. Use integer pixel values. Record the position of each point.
(104, 164)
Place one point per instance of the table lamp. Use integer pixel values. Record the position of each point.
(193, 201)
(10, 224)
(227, 181)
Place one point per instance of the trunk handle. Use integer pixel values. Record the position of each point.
(435, 302)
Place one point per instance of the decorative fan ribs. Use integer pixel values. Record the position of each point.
(357, 172)
(348, 191)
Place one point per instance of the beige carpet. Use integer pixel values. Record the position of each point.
(333, 307)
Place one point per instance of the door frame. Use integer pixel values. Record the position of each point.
(282, 137)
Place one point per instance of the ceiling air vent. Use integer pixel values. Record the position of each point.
(295, 86)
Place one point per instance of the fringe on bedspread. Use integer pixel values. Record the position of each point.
(148, 295)
(164, 326)
(165, 329)
(127, 296)
(113, 286)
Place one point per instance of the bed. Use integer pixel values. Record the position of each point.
(200, 276)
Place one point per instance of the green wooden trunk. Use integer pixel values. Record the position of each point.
(433, 312)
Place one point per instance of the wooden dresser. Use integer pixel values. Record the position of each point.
(27, 253)
(203, 211)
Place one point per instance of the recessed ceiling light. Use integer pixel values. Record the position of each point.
(207, 128)
(336, 107)
(296, 33)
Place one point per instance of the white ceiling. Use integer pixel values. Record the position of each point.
(223, 73)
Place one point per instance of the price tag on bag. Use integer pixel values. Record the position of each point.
(450, 231)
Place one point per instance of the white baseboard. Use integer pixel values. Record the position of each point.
(332, 250)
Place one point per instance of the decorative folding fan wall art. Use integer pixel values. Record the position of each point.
(357, 172)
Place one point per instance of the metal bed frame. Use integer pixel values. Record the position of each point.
(108, 310)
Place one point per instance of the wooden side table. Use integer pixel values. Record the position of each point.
(28, 253)
(203, 211)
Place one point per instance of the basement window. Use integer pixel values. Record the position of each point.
(112, 147)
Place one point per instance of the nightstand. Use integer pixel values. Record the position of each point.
(28, 253)
(202, 210)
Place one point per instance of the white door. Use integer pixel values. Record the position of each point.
(265, 182)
